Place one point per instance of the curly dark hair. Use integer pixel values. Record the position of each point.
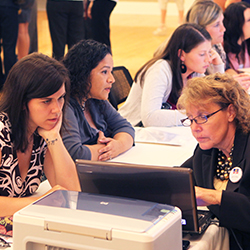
(80, 60)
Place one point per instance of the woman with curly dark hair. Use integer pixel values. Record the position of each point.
(94, 129)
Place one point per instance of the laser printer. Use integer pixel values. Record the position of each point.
(70, 220)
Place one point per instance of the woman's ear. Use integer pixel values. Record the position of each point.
(181, 55)
(231, 113)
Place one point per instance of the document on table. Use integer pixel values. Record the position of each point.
(175, 136)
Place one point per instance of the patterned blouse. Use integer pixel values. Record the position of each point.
(11, 183)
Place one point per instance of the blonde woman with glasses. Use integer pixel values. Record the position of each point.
(218, 113)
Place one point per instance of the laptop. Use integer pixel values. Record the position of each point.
(167, 185)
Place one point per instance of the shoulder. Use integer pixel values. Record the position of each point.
(161, 64)
(73, 107)
(161, 68)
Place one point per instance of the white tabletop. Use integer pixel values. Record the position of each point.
(160, 146)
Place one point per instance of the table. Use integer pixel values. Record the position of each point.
(171, 147)
(214, 238)
(167, 147)
(160, 146)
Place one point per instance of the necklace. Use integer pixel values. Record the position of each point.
(224, 165)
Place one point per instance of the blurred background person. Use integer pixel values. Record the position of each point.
(162, 29)
(236, 37)
(65, 24)
(33, 29)
(23, 39)
(209, 15)
(99, 12)
(8, 36)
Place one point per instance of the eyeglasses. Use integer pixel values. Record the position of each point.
(200, 119)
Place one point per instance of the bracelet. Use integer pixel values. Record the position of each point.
(50, 142)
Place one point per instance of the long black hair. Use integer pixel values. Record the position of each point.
(233, 22)
(34, 76)
(185, 38)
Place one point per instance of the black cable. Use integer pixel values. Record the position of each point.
(236, 239)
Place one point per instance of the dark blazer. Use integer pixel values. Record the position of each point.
(234, 211)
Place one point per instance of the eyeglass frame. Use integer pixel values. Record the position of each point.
(205, 116)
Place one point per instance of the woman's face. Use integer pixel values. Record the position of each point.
(45, 112)
(246, 25)
(198, 59)
(216, 132)
(216, 30)
(101, 78)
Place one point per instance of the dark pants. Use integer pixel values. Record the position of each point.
(8, 34)
(65, 24)
(101, 12)
(33, 29)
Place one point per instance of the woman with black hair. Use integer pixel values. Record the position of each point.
(94, 129)
(236, 36)
(158, 83)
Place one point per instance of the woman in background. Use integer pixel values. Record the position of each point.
(66, 24)
(31, 112)
(162, 29)
(158, 83)
(99, 12)
(218, 112)
(94, 129)
(236, 43)
(210, 16)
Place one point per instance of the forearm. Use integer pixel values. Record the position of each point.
(94, 149)
(126, 141)
(10, 205)
(65, 173)
(231, 72)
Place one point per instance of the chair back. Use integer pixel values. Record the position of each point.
(121, 87)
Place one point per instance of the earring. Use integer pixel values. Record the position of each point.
(183, 68)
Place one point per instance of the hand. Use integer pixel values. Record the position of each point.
(243, 79)
(206, 197)
(111, 148)
(215, 57)
(52, 133)
(90, 10)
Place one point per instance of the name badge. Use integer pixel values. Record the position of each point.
(235, 174)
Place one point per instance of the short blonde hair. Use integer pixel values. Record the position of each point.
(203, 12)
(221, 89)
